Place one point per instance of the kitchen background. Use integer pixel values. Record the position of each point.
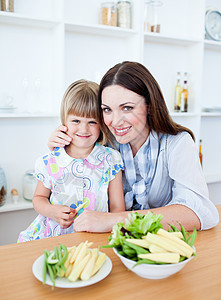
(47, 44)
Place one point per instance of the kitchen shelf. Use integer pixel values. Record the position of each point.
(183, 114)
(28, 115)
(210, 114)
(18, 19)
(20, 205)
(166, 39)
(212, 45)
(99, 30)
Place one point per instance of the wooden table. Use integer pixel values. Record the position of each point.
(200, 279)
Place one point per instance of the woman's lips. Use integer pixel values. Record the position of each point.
(121, 131)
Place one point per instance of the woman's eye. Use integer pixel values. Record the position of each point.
(106, 109)
(128, 108)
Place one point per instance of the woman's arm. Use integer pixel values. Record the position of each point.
(94, 221)
(62, 214)
(116, 194)
(59, 138)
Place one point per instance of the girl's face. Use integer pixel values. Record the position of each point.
(84, 131)
(125, 114)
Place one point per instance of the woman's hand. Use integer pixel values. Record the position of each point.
(97, 221)
(63, 215)
(59, 138)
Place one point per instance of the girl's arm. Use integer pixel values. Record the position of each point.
(116, 194)
(59, 138)
(62, 214)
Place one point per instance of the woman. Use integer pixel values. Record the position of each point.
(162, 168)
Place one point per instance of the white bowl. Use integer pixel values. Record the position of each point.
(152, 271)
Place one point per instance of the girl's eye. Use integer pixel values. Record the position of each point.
(75, 121)
(92, 122)
(128, 108)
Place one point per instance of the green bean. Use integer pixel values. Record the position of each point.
(138, 249)
(62, 259)
(45, 266)
(51, 274)
(183, 232)
(53, 269)
(174, 227)
(128, 250)
(56, 255)
(144, 261)
(193, 237)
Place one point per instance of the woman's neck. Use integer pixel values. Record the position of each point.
(79, 153)
(137, 144)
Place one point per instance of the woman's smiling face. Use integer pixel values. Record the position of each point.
(125, 114)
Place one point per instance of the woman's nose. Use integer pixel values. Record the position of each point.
(117, 119)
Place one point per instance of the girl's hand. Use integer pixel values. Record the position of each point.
(63, 215)
(59, 138)
(97, 221)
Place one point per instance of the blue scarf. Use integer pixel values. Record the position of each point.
(147, 157)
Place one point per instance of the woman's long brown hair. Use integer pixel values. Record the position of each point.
(135, 77)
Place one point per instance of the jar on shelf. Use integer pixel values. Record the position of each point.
(29, 185)
(7, 5)
(152, 16)
(109, 13)
(3, 187)
(124, 14)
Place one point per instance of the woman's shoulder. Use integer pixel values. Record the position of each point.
(181, 137)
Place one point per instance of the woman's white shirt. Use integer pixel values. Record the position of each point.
(179, 179)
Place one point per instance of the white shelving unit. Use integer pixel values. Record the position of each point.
(60, 41)
(20, 205)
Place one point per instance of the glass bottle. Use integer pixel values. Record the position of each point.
(29, 185)
(152, 16)
(7, 5)
(109, 13)
(184, 95)
(3, 187)
(177, 96)
(124, 14)
(200, 153)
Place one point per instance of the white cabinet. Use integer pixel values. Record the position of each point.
(47, 44)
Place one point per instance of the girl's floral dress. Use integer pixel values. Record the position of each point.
(72, 182)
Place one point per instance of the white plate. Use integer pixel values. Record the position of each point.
(64, 282)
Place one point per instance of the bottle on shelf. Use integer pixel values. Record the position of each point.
(184, 95)
(109, 13)
(200, 153)
(178, 90)
(124, 14)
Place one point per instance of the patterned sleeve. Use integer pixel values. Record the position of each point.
(116, 163)
(41, 173)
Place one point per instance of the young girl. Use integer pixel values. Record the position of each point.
(83, 173)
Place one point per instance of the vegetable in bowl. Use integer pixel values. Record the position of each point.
(142, 239)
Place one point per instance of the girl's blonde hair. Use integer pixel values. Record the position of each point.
(80, 99)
